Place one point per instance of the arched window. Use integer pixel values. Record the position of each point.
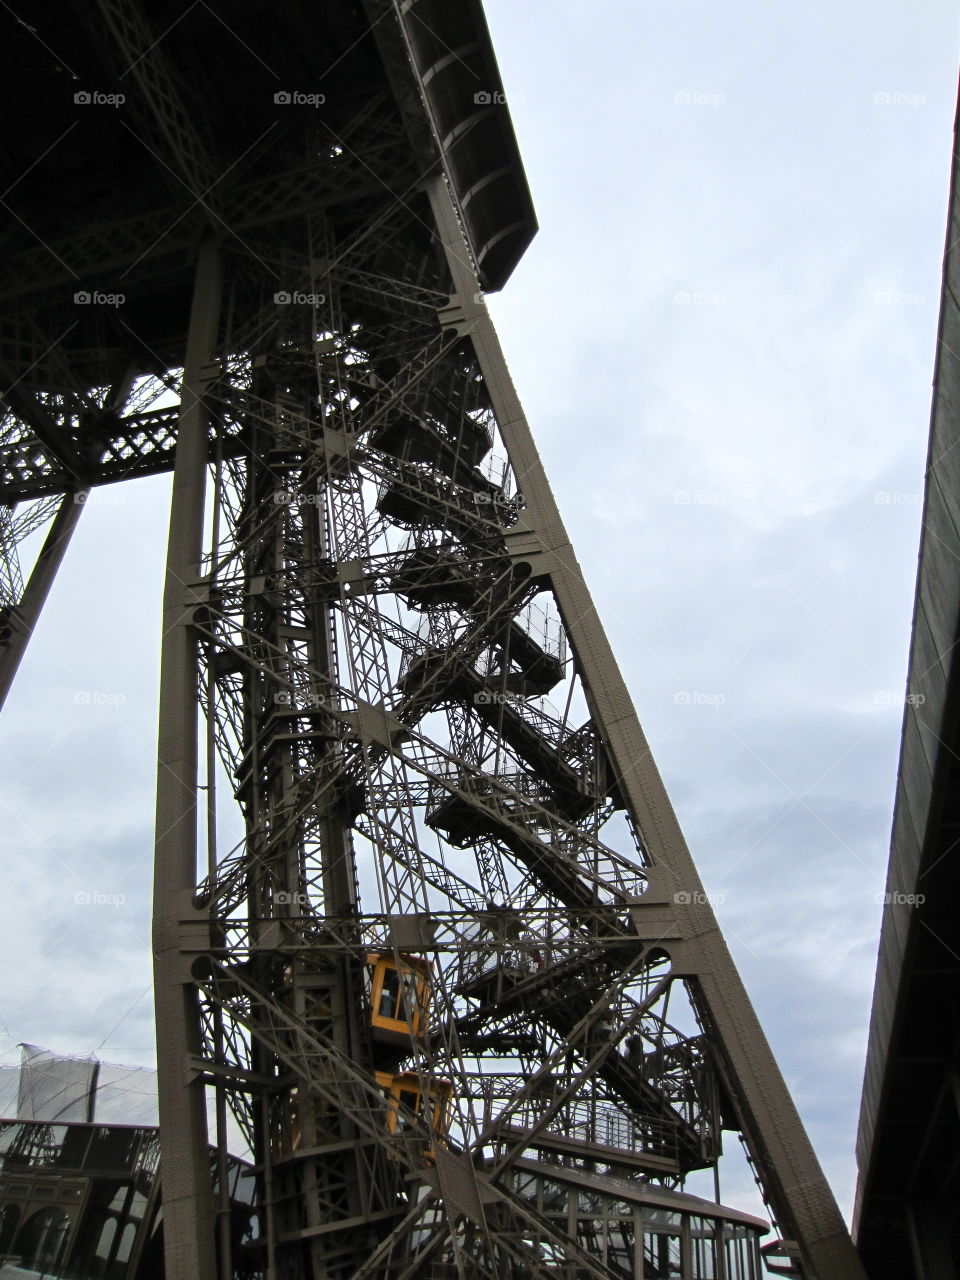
(107, 1233)
(43, 1237)
(125, 1248)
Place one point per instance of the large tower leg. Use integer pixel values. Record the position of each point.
(792, 1178)
(185, 1162)
(459, 962)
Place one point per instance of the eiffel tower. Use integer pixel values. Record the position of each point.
(461, 956)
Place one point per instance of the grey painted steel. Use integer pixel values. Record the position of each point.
(343, 719)
(185, 1165)
(909, 1088)
(936, 609)
(798, 1189)
(26, 613)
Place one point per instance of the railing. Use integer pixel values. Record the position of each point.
(520, 800)
(587, 1122)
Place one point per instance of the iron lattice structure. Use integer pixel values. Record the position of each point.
(375, 627)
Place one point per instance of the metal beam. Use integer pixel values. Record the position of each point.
(801, 1196)
(26, 613)
(53, 438)
(185, 1162)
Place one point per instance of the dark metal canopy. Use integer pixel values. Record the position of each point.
(206, 119)
(135, 131)
(908, 1146)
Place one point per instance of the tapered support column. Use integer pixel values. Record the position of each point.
(801, 1197)
(27, 611)
(185, 1168)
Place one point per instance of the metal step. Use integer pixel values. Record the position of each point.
(782, 1257)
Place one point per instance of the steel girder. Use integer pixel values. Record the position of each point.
(362, 621)
(355, 629)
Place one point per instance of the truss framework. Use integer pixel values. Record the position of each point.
(369, 599)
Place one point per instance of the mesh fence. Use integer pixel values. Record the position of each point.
(58, 1087)
(50, 1086)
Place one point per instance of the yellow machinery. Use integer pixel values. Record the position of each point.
(400, 991)
(406, 1097)
(399, 997)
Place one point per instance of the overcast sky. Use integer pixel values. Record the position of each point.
(724, 339)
